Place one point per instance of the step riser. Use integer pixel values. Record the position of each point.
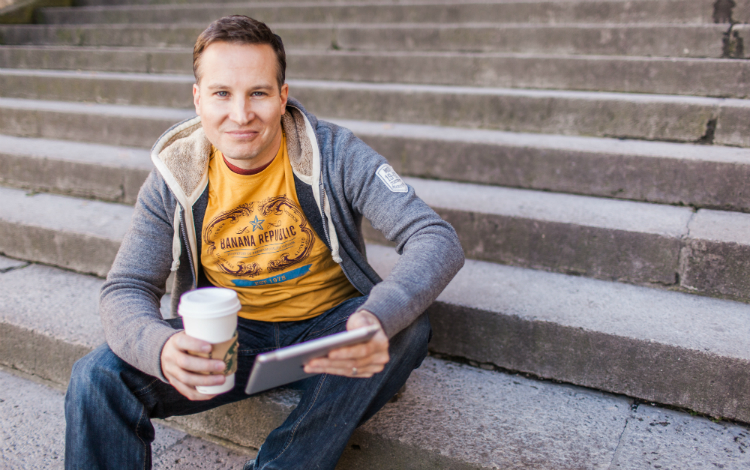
(602, 116)
(110, 130)
(71, 178)
(692, 77)
(647, 370)
(541, 12)
(74, 251)
(661, 180)
(717, 269)
(698, 41)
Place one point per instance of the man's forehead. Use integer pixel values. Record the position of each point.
(222, 61)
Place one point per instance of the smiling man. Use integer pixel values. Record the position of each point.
(258, 195)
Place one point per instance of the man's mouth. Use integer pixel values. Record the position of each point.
(243, 134)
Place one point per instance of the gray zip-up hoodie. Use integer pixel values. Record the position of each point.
(339, 180)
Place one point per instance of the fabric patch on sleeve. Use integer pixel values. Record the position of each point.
(388, 175)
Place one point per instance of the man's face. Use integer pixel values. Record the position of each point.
(239, 102)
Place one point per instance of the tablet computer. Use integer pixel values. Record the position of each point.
(286, 365)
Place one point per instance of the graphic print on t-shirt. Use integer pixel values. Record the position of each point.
(261, 238)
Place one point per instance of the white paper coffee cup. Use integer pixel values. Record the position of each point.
(210, 314)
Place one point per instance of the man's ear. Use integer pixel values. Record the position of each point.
(197, 98)
(284, 95)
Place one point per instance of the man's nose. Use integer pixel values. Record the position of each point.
(242, 111)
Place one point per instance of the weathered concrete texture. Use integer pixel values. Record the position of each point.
(695, 175)
(132, 126)
(697, 77)
(152, 35)
(23, 11)
(587, 11)
(169, 91)
(662, 346)
(608, 39)
(33, 434)
(652, 117)
(71, 233)
(665, 439)
(714, 258)
(78, 169)
(7, 264)
(572, 234)
(701, 77)
(125, 59)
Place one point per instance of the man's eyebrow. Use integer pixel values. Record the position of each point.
(220, 86)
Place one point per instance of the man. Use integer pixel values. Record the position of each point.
(258, 195)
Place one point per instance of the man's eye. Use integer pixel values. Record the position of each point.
(258, 93)
(222, 94)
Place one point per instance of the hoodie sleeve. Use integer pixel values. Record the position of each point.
(129, 304)
(431, 253)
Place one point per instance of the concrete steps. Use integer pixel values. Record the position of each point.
(33, 433)
(571, 144)
(656, 40)
(678, 174)
(524, 326)
(619, 115)
(601, 238)
(514, 70)
(535, 11)
(467, 417)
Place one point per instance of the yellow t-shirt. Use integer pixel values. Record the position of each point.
(257, 241)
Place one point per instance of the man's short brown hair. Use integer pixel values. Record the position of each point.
(240, 29)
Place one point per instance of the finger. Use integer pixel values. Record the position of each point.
(190, 392)
(193, 380)
(362, 372)
(188, 343)
(199, 364)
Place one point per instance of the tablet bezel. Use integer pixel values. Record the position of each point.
(286, 365)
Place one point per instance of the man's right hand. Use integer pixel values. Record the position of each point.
(184, 371)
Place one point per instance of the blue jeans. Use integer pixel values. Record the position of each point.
(109, 404)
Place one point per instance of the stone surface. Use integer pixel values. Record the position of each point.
(670, 440)
(705, 77)
(680, 174)
(714, 258)
(33, 433)
(581, 11)
(652, 117)
(572, 234)
(8, 264)
(74, 168)
(72, 233)
(599, 39)
(661, 346)
(132, 126)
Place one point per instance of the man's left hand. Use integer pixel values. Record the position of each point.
(361, 360)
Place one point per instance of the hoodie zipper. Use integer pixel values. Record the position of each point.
(183, 230)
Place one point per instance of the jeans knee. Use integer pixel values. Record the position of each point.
(90, 372)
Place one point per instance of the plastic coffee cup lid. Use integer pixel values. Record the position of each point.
(209, 302)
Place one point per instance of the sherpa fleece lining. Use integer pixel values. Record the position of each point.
(181, 156)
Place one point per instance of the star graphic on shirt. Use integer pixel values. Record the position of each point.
(257, 224)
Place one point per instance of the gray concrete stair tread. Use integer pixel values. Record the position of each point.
(33, 433)
(672, 11)
(511, 421)
(691, 322)
(130, 111)
(598, 114)
(685, 76)
(65, 214)
(564, 208)
(78, 152)
(685, 174)
(611, 39)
